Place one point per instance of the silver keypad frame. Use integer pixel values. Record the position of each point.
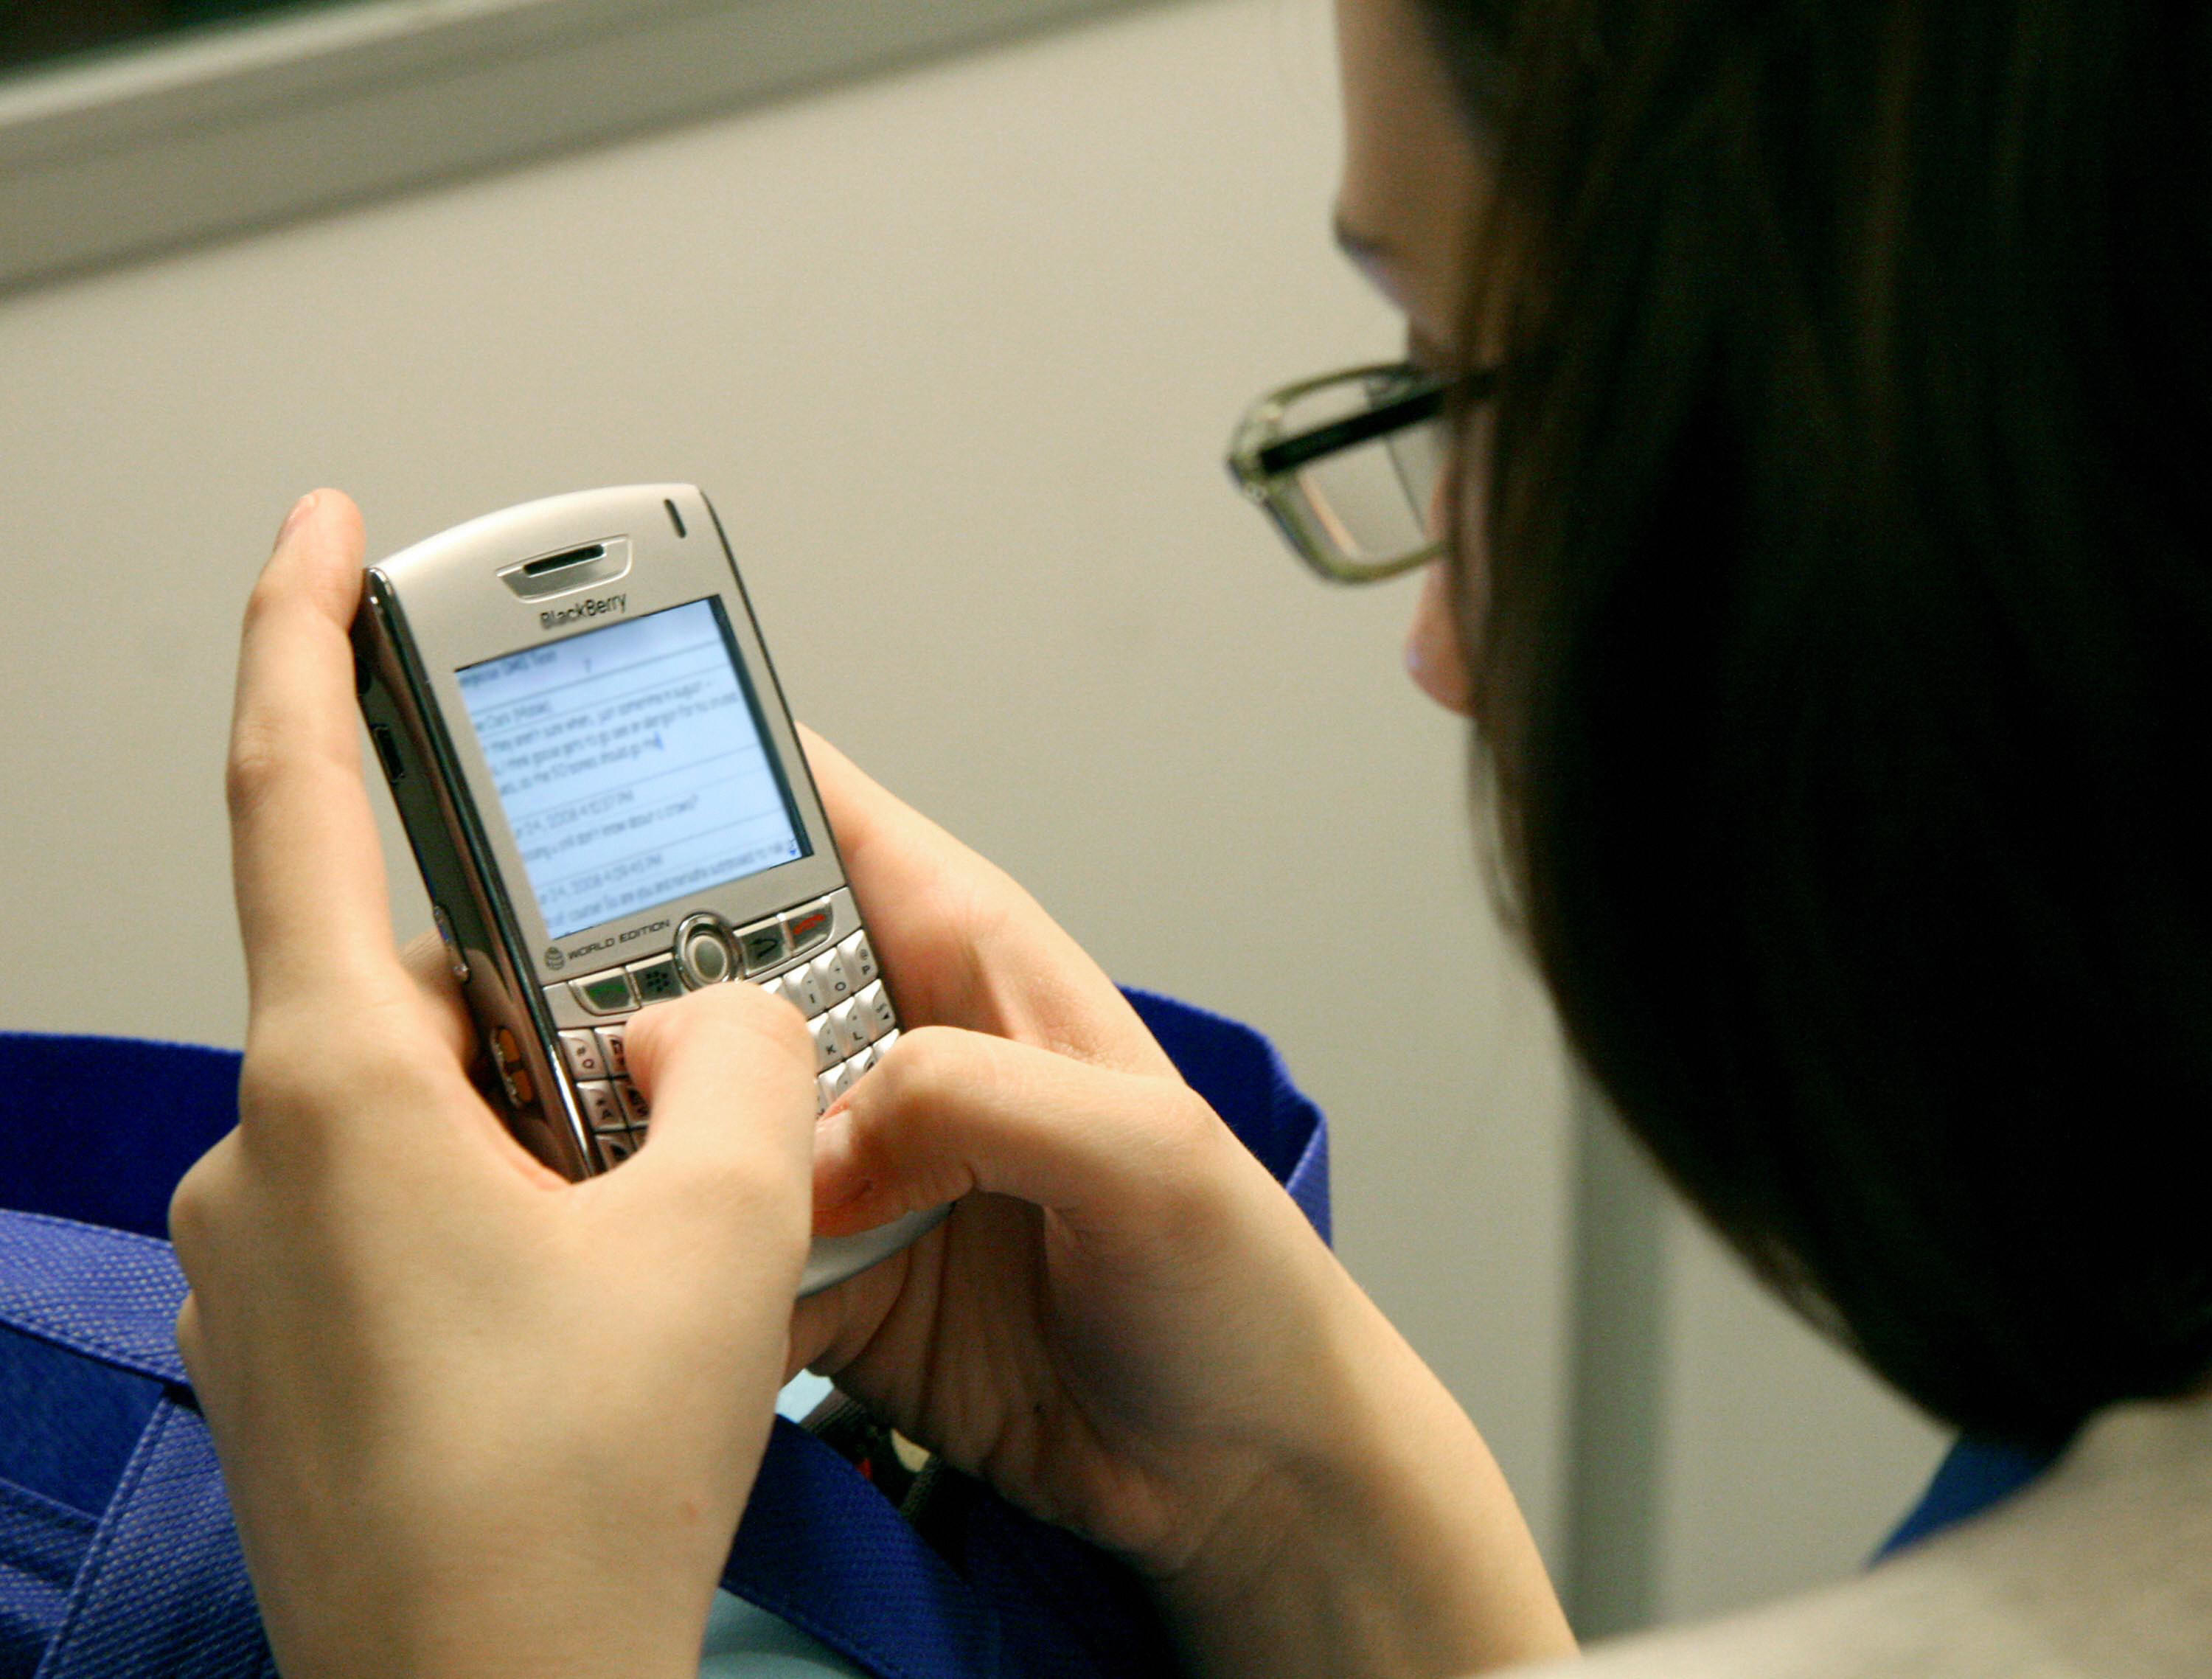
(857, 1018)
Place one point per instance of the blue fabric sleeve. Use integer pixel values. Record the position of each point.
(1975, 1475)
(1241, 1076)
(100, 1129)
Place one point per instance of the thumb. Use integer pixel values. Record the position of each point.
(728, 1078)
(948, 1112)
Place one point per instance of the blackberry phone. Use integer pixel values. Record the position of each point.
(597, 771)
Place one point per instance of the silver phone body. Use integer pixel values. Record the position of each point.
(558, 694)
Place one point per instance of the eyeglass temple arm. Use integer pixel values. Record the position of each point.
(1289, 454)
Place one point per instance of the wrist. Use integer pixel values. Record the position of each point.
(1379, 1538)
(534, 1577)
(497, 1617)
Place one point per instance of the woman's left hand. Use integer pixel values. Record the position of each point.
(473, 1418)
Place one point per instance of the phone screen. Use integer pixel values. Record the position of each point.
(632, 765)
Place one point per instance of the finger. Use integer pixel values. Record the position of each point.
(728, 1073)
(305, 859)
(845, 1317)
(989, 957)
(424, 958)
(948, 1112)
(884, 841)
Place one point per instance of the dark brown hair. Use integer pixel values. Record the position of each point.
(1845, 652)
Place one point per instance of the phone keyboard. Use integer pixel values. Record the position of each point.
(839, 988)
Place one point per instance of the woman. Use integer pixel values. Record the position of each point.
(1821, 386)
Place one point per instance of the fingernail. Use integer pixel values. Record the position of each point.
(299, 510)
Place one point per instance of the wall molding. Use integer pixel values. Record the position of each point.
(130, 155)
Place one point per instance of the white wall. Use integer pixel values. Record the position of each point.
(1786, 1461)
(956, 353)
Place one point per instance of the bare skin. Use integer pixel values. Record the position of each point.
(1406, 208)
(1124, 1325)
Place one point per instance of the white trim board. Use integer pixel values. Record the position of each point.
(128, 155)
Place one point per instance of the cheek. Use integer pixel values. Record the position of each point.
(1434, 658)
(1432, 651)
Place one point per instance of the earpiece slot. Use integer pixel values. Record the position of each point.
(560, 562)
(569, 569)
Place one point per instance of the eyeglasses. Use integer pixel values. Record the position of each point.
(1349, 465)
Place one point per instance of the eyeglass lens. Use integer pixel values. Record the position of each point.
(1373, 499)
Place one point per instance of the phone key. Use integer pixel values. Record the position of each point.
(605, 993)
(507, 1057)
(876, 1003)
(611, 1045)
(659, 981)
(616, 1145)
(635, 1108)
(804, 988)
(883, 1044)
(563, 1006)
(861, 1062)
(852, 1026)
(807, 927)
(763, 945)
(601, 1110)
(829, 973)
(828, 1052)
(860, 958)
(823, 1094)
(840, 1078)
(586, 1059)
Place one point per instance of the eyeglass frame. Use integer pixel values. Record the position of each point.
(1264, 464)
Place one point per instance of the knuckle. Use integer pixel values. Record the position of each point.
(264, 600)
(1185, 1141)
(251, 770)
(282, 1074)
(192, 1215)
(202, 1203)
(924, 1063)
(191, 1346)
(908, 1112)
(302, 1081)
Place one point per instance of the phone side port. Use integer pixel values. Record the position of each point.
(387, 752)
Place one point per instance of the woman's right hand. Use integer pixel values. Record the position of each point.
(1126, 1325)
